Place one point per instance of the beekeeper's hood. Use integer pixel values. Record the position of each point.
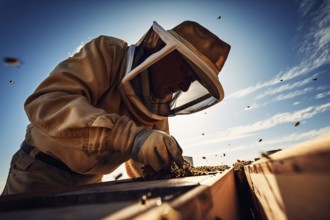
(202, 50)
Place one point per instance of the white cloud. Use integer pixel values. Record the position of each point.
(297, 71)
(255, 106)
(314, 50)
(280, 97)
(316, 17)
(247, 91)
(293, 94)
(305, 6)
(323, 87)
(313, 53)
(244, 131)
(230, 154)
(322, 95)
(284, 87)
(295, 137)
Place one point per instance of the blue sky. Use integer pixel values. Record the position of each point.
(278, 50)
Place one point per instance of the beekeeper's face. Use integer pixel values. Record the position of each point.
(169, 75)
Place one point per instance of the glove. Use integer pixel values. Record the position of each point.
(157, 149)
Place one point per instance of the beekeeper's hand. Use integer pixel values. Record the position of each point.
(157, 149)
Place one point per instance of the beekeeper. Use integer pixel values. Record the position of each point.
(109, 104)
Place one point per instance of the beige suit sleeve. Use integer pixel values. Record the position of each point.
(64, 106)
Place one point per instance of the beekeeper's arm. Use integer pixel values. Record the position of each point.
(64, 107)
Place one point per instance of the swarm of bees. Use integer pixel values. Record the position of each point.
(175, 172)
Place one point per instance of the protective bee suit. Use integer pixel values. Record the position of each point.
(202, 93)
(96, 109)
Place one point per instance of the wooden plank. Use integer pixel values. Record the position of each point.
(200, 197)
(106, 198)
(214, 198)
(293, 183)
